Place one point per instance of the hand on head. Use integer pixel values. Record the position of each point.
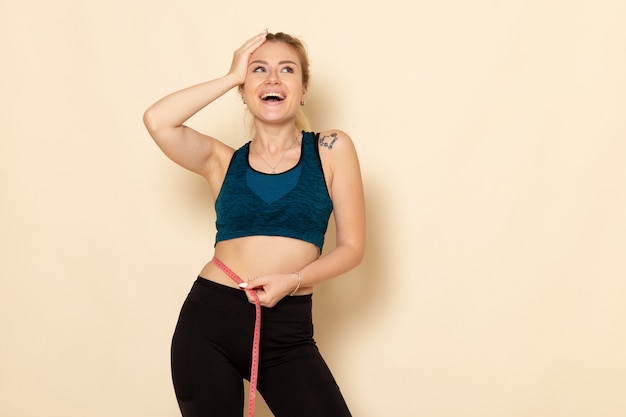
(241, 56)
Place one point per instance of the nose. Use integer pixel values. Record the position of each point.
(272, 77)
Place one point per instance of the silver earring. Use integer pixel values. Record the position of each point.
(244, 101)
(302, 103)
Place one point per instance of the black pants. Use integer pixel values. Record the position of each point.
(211, 354)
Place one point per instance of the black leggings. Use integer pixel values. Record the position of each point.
(211, 353)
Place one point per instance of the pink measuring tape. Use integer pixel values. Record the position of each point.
(254, 368)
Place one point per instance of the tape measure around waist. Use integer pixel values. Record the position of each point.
(254, 367)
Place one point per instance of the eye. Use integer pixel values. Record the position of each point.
(258, 69)
(287, 69)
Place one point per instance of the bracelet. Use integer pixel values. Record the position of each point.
(298, 286)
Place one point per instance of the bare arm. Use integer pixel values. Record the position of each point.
(165, 119)
(346, 189)
(348, 207)
(184, 145)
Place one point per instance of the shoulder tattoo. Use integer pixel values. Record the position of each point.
(328, 141)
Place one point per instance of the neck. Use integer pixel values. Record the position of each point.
(274, 139)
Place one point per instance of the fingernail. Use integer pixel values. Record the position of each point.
(266, 30)
(243, 285)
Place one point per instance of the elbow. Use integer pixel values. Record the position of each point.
(352, 249)
(357, 253)
(150, 120)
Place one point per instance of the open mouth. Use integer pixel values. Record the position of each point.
(273, 97)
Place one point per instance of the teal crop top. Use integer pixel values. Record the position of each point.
(294, 203)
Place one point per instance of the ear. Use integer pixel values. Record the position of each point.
(304, 90)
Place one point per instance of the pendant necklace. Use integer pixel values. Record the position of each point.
(273, 168)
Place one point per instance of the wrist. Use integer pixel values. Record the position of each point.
(233, 79)
(299, 277)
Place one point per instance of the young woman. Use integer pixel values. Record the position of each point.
(273, 199)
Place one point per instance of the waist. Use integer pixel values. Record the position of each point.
(256, 256)
(216, 295)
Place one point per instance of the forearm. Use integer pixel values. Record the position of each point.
(174, 109)
(337, 262)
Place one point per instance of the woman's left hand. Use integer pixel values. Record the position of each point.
(270, 288)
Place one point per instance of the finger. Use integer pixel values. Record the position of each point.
(251, 298)
(254, 42)
(251, 286)
(247, 291)
(255, 283)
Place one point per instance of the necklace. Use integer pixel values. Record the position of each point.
(273, 168)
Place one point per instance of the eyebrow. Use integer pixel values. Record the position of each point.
(259, 61)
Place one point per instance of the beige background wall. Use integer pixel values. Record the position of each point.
(492, 138)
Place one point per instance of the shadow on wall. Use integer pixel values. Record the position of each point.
(347, 301)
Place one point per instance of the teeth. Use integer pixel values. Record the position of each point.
(272, 95)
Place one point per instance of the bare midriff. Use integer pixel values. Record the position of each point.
(254, 256)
